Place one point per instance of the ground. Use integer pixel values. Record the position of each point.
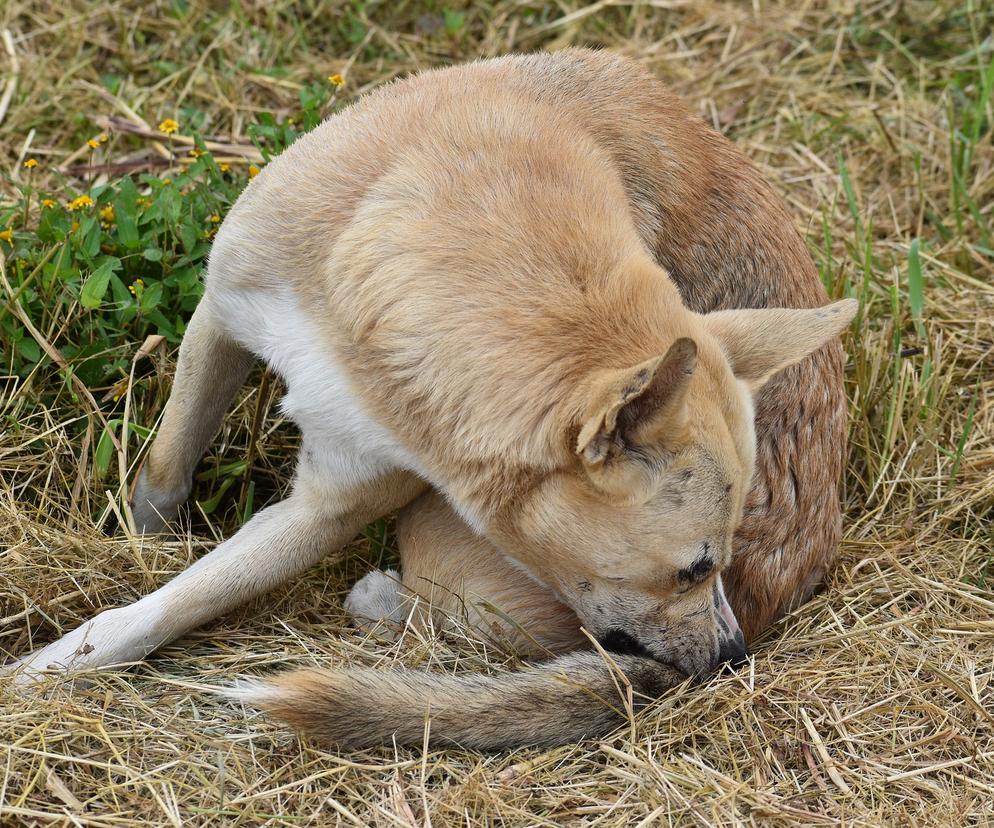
(871, 705)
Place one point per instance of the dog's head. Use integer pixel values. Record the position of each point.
(634, 534)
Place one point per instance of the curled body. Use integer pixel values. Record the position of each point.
(541, 288)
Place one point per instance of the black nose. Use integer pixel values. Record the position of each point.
(618, 641)
(732, 651)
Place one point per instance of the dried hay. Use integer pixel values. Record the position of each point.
(871, 705)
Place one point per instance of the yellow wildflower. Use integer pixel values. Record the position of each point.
(31, 163)
(168, 126)
(215, 219)
(336, 80)
(79, 203)
(47, 203)
(93, 143)
(253, 170)
(197, 152)
(103, 138)
(138, 285)
(107, 213)
(167, 181)
(74, 227)
(224, 167)
(7, 235)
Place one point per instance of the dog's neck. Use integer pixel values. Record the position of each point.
(633, 315)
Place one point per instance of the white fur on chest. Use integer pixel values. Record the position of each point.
(343, 444)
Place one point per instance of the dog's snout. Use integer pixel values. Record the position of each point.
(732, 651)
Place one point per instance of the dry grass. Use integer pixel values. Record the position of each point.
(872, 705)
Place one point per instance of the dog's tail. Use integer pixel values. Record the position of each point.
(575, 696)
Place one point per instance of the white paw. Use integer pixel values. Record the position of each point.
(377, 600)
(115, 636)
(153, 508)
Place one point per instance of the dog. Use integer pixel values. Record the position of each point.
(541, 290)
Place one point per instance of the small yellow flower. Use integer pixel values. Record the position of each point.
(138, 285)
(215, 219)
(336, 80)
(168, 126)
(7, 235)
(167, 181)
(103, 138)
(47, 203)
(93, 143)
(253, 170)
(224, 167)
(31, 163)
(142, 201)
(79, 203)
(74, 227)
(196, 152)
(107, 213)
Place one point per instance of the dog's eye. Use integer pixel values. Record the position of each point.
(699, 569)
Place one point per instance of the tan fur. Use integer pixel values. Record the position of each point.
(567, 699)
(504, 271)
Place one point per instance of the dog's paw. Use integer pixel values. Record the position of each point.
(153, 508)
(377, 600)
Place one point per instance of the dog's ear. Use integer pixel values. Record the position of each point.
(758, 343)
(629, 406)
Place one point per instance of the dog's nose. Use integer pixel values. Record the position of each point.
(732, 651)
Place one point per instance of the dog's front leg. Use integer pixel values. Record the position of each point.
(280, 542)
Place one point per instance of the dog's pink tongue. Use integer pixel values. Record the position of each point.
(727, 621)
(732, 646)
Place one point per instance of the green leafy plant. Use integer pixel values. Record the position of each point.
(124, 259)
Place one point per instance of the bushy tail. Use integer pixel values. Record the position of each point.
(563, 700)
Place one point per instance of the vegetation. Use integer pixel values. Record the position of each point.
(128, 131)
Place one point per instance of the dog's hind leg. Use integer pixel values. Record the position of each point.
(211, 368)
(277, 544)
(461, 578)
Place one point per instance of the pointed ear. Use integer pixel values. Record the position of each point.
(758, 343)
(633, 404)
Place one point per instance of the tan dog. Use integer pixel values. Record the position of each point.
(465, 281)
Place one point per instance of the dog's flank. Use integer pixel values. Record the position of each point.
(567, 699)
